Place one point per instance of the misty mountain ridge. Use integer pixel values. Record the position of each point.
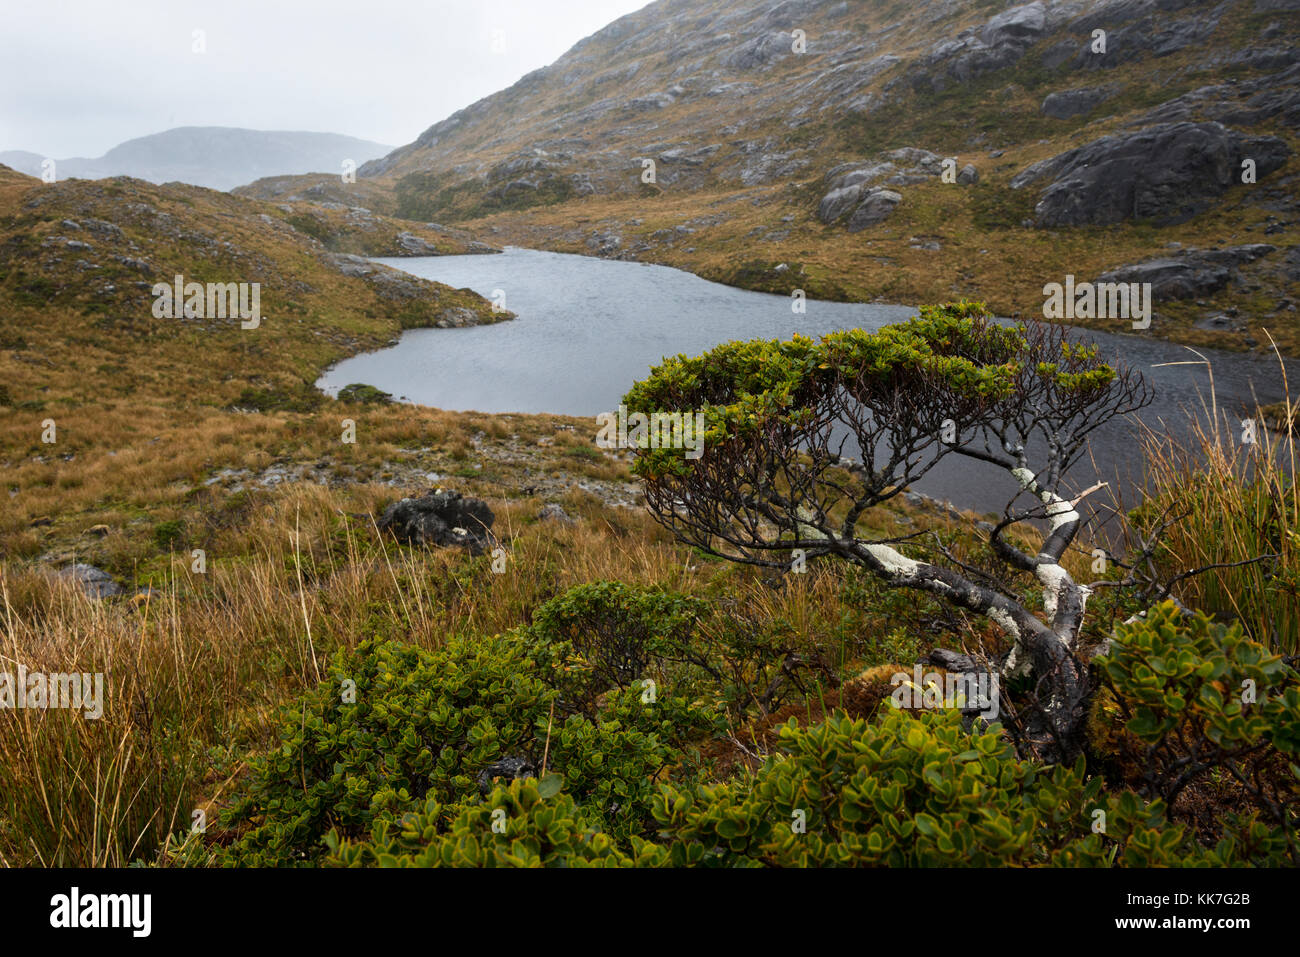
(218, 157)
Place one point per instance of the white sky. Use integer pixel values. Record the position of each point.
(77, 77)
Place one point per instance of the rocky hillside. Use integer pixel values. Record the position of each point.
(218, 157)
(79, 317)
(907, 151)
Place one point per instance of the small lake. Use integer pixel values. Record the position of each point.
(588, 328)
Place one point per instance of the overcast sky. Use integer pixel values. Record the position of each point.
(77, 77)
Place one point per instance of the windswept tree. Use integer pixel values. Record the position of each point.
(773, 479)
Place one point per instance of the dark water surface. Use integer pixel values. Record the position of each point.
(589, 328)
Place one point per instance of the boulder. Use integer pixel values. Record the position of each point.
(1190, 272)
(94, 582)
(876, 208)
(838, 202)
(1166, 174)
(1018, 23)
(413, 245)
(440, 518)
(552, 512)
(1071, 103)
(968, 176)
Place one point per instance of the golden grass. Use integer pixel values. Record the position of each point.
(1233, 483)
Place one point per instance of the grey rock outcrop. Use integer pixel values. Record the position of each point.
(552, 512)
(1189, 272)
(94, 582)
(861, 188)
(415, 246)
(1070, 103)
(875, 208)
(1275, 97)
(1166, 174)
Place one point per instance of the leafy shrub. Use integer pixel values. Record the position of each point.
(424, 726)
(303, 398)
(606, 635)
(361, 394)
(529, 831)
(910, 791)
(1198, 698)
(166, 535)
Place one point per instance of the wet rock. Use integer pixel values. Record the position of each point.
(1189, 272)
(94, 582)
(507, 770)
(440, 518)
(1166, 174)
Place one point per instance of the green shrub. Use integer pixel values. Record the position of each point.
(515, 827)
(424, 726)
(166, 535)
(361, 394)
(911, 791)
(1197, 699)
(302, 398)
(608, 635)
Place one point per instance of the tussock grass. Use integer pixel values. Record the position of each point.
(196, 671)
(1240, 509)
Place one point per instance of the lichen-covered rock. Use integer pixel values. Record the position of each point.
(440, 518)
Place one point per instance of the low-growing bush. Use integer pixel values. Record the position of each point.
(608, 635)
(395, 726)
(911, 791)
(515, 827)
(1191, 699)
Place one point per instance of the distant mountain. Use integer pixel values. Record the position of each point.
(22, 161)
(218, 157)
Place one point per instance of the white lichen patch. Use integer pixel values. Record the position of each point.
(894, 562)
